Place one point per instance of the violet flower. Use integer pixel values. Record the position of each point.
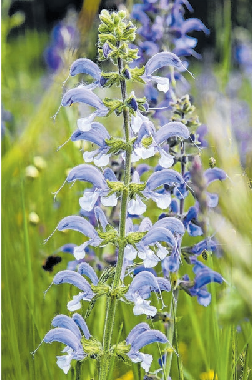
(68, 332)
(140, 336)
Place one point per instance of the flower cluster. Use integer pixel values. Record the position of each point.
(140, 246)
(162, 26)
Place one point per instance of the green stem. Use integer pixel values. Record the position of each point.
(78, 370)
(112, 301)
(171, 331)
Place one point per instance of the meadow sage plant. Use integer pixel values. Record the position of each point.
(140, 246)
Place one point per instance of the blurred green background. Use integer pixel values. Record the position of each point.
(212, 340)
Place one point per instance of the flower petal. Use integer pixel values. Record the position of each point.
(143, 307)
(160, 60)
(206, 276)
(97, 134)
(64, 336)
(141, 280)
(166, 160)
(64, 362)
(101, 217)
(145, 225)
(136, 206)
(158, 234)
(136, 331)
(88, 200)
(75, 279)
(109, 201)
(75, 304)
(83, 95)
(77, 223)
(110, 175)
(66, 322)
(102, 160)
(164, 284)
(150, 260)
(88, 173)
(78, 319)
(85, 66)
(165, 176)
(86, 270)
(172, 224)
(148, 337)
(214, 174)
(193, 24)
(130, 253)
(171, 129)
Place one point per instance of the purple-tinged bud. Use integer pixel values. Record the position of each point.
(196, 165)
(174, 206)
(133, 104)
(127, 74)
(103, 81)
(106, 49)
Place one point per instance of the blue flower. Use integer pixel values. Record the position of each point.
(158, 61)
(172, 262)
(68, 332)
(86, 66)
(100, 190)
(204, 276)
(82, 94)
(96, 134)
(73, 278)
(165, 176)
(140, 289)
(206, 244)
(192, 228)
(77, 223)
(140, 336)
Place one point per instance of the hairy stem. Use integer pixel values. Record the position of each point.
(171, 332)
(112, 301)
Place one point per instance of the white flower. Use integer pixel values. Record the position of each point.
(136, 206)
(88, 200)
(166, 160)
(142, 306)
(64, 361)
(129, 252)
(109, 201)
(150, 260)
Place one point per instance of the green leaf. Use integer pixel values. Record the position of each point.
(134, 237)
(112, 104)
